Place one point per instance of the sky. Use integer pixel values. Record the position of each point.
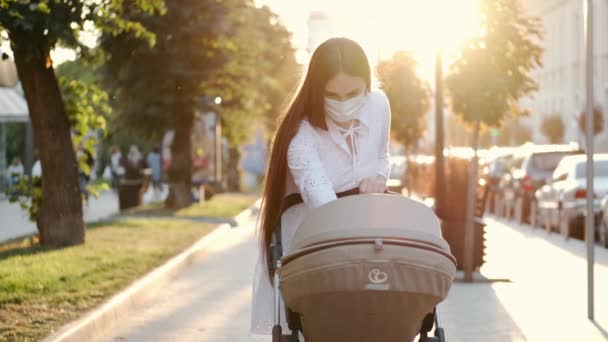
(385, 26)
(381, 27)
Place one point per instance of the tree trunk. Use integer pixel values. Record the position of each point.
(440, 186)
(469, 232)
(59, 218)
(180, 170)
(233, 173)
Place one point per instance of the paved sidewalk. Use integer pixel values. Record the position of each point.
(544, 299)
(15, 223)
(210, 301)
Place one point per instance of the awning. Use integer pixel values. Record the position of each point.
(13, 107)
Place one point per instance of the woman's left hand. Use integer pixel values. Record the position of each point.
(373, 185)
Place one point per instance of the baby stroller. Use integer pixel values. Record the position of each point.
(362, 268)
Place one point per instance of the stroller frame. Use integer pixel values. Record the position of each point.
(293, 318)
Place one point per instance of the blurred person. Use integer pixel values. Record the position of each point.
(334, 137)
(134, 163)
(116, 165)
(14, 172)
(154, 162)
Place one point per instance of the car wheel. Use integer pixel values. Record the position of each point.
(563, 224)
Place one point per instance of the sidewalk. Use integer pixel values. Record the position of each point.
(543, 300)
(209, 301)
(14, 222)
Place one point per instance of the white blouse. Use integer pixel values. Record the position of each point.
(321, 163)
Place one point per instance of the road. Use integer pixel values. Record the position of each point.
(532, 288)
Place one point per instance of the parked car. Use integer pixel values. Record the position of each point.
(493, 172)
(561, 203)
(529, 169)
(398, 167)
(603, 228)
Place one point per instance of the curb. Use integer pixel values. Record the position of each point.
(92, 324)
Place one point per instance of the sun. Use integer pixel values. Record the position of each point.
(383, 27)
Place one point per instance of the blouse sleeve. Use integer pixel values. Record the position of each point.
(384, 156)
(308, 172)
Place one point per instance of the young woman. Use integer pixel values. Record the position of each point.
(334, 137)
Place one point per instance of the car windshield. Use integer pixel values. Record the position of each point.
(547, 161)
(600, 169)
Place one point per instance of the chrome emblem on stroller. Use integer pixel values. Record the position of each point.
(378, 279)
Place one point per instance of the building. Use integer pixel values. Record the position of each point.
(561, 80)
(320, 28)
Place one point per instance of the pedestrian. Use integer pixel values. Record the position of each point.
(116, 165)
(154, 162)
(84, 174)
(334, 137)
(133, 163)
(14, 172)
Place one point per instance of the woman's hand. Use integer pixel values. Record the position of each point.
(373, 185)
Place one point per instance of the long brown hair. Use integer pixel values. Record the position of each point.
(333, 56)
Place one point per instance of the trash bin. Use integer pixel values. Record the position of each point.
(453, 233)
(131, 191)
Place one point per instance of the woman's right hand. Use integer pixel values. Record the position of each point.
(373, 185)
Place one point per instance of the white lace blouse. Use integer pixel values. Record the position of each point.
(321, 163)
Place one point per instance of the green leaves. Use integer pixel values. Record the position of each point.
(409, 97)
(44, 23)
(28, 193)
(493, 71)
(553, 128)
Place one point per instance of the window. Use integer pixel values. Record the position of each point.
(600, 169)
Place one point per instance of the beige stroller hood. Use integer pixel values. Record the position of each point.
(366, 268)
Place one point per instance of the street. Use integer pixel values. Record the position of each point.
(532, 288)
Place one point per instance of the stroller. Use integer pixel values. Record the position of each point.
(362, 268)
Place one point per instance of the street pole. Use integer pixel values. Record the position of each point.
(469, 229)
(590, 226)
(218, 149)
(439, 136)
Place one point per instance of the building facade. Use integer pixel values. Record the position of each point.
(561, 79)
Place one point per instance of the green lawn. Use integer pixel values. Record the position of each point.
(40, 289)
(222, 205)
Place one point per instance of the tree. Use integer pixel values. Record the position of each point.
(598, 121)
(257, 81)
(230, 49)
(409, 97)
(34, 28)
(490, 76)
(553, 128)
(159, 87)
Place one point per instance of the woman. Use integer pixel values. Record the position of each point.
(334, 137)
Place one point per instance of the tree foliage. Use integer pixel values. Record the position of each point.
(408, 94)
(553, 128)
(598, 121)
(231, 49)
(257, 83)
(34, 28)
(493, 70)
